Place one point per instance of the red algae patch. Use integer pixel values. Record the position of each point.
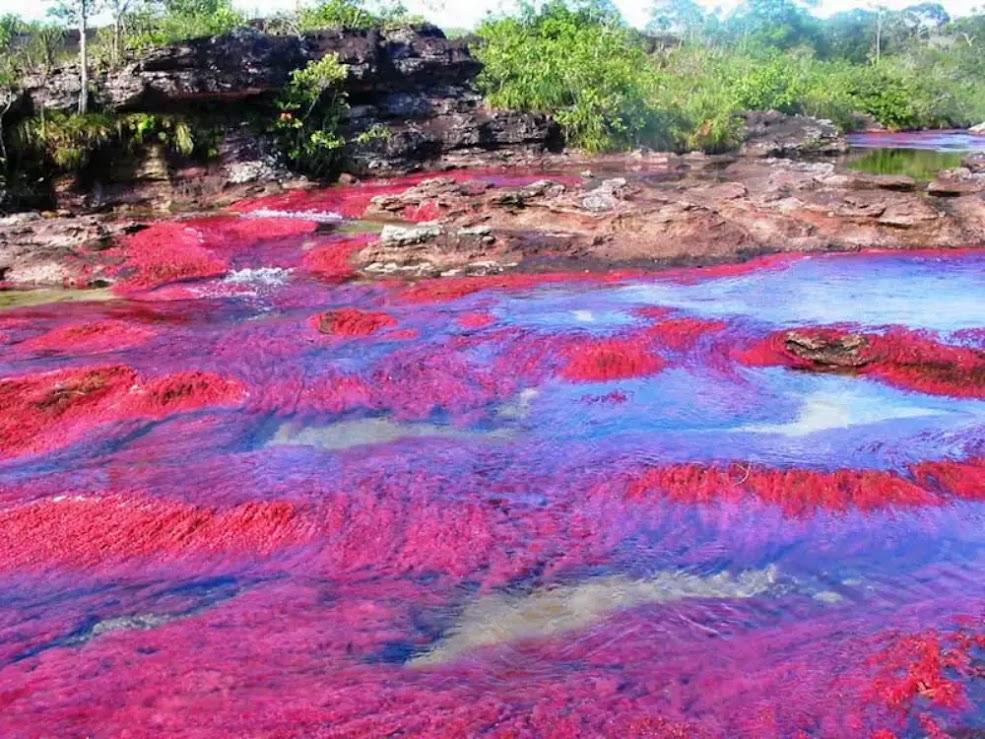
(962, 479)
(168, 252)
(474, 321)
(235, 232)
(80, 531)
(49, 411)
(89, 338)
(796, 491)
(911, 360)
(352, 322)
(928, 670)
(682, 334)
(610, 359)
(453, 288)
(187, 391)
(333, 262)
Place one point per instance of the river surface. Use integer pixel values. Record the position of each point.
(917, 154)
(262, 501)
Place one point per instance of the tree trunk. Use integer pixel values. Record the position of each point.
(879, 38)
(118, 39)
(83, 57)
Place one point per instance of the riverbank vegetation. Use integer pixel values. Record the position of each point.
(680, 84)
(683, 84)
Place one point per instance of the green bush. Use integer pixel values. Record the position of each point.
(580, 66)
(180, 21)
(352, 14)
(70, 141)
(311, 109)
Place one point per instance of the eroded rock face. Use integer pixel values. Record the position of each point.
(753, 206)
(411, 87)
(39, 250)
(829, 351)
(773, 134)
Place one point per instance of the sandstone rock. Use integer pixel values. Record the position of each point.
(401, 236)
(837, 352)
(975, 163)
(774, 134)
(956, 183)
(978, 130)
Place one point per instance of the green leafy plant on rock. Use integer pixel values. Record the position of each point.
(311, 109)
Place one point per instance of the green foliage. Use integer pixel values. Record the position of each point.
(579, 64)
(71, 141)
(583, 66)
(352, 14)
(180, 20)
(311, 109)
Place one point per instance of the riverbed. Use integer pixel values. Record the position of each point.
(245, 494)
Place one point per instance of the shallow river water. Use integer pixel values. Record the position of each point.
(266, 502)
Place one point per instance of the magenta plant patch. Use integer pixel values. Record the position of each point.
(255, 497)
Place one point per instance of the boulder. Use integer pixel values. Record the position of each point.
(774, 134)
(978, 130)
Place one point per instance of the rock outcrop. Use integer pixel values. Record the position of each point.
(412, 87)
(686, 217)
(774, 134)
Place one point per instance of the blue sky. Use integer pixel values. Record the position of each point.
(465, 13)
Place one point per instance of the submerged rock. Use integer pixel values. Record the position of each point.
(503, 619)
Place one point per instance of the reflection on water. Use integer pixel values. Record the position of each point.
(920, 164)
(27, 298)
(579, 508)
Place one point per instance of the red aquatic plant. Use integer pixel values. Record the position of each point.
(909, 359)
(475, 321)
(48, 411)
(925, 669)
(963, 479)
(796, 491)
(352, 322)
(453, 288)
(186, 391)
(168, 252)
(333, 261)
(682, 334)
(610, 359)
(81, 531)
(89, 338)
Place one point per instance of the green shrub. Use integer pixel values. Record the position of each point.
(578, 65)
(181, 21)
(71, 141)
(311, 108)
(352, 14)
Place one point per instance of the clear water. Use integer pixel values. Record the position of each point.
(434, 526)
(920, 154)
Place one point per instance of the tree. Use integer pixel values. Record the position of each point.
(682, 17)
(119, 10)
(779, 23)
(78, 13)
(924, 19)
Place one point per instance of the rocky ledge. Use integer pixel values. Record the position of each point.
(412, 84)
(636, 212)
(670, 211)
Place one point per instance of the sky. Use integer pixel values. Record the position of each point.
(467, 13)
